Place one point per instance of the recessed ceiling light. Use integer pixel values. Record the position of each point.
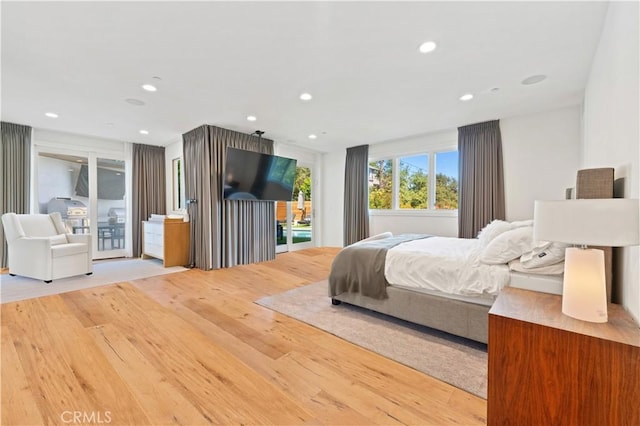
(427, 46)
(51, 114)
(251, 117)
(110, 124)
(312, 136)
(495, 89)
(149, 87)
(466, 97)
(136, 102)
(155, 77)
(144, 132)
(534, 79)
(306, 97)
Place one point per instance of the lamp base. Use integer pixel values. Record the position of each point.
(584, 293)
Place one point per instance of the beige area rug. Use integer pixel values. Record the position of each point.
(104, 272)
(459, 362)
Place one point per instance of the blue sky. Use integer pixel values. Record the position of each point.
(446, 162)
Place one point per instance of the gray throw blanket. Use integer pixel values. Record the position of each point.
(360, 267)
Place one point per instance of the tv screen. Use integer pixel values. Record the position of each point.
(250, 175)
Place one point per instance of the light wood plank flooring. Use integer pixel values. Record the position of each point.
(193, 348)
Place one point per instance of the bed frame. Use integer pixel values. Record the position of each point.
(466, 319)
(452, 316)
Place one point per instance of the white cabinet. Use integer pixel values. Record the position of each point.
(167, 240)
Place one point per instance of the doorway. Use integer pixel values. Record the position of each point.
(89, 193)
(295, 217)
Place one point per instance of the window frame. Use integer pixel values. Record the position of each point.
(395, 209)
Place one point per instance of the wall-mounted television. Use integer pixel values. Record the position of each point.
(250, 175)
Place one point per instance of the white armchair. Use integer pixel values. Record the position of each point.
(40, 248)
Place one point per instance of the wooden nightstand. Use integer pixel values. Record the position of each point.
(546, 368)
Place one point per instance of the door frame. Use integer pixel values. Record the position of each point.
(92, 163)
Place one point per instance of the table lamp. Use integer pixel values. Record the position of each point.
(611, 222)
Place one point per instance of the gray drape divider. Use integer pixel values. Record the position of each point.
(481, 190)
(149, 188)
(15, 158)
(356, 194)
(224, 233)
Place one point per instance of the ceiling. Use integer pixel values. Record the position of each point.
(219, 62)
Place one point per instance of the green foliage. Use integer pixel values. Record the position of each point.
(446, 192)
(302, 183)
(380, 184)
(413, 188)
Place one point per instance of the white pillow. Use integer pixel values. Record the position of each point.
(58, 239)
(555, 269)
(492, 230)
(508, 246)
(540, 256)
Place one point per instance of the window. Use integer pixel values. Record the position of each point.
(380, 184)
(414, 179)
(178, 182)
(427, 181)
(446, 165)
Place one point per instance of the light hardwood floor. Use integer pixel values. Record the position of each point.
(193, 348)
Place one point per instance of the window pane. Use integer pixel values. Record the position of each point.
(301, 206)
(447, 180)
(414, 182)
(380, 184)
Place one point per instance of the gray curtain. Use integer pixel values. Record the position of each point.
(15, 158)
(481, 180)
(356, 194)
(224, 233)
(149, 188)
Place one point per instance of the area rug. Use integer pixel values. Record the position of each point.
(104, 272)
(459, 362)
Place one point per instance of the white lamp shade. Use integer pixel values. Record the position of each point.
(611, 222)
(584, 294)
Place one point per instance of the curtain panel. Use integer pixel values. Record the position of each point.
(356, 194)
(224, 233)
(15, 158)
(481, 180)
(149, 188)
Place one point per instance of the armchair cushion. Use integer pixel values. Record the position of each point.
(58, 239)
(62, 250)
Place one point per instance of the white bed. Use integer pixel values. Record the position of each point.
(450, 283)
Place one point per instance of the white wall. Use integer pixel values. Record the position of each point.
(333, 198)
(541, 156)
(610, 133)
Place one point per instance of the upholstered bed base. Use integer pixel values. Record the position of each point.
(452, 316)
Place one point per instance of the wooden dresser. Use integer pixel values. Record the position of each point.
(546, 368)
(167, 240)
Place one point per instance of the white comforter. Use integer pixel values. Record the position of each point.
(449, 265)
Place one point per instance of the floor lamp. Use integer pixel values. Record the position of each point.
(611, 222)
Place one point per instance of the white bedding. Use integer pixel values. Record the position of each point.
(449, 265)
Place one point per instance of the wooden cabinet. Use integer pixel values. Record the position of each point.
(546, 368)
(167, 240)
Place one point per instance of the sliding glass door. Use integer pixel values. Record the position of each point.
(89, 193)
(295, 225)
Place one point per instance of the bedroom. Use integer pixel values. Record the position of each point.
(589, 148)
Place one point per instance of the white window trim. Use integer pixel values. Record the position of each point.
(395, 209)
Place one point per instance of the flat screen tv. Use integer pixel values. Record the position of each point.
(250, 175)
